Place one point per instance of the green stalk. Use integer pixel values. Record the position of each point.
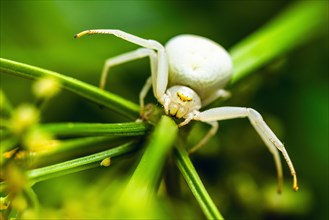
(76, 147)
(96, 129)
(101, 97)
(149, 169)
(137, 200)
(6, 107)
(298, 24)
(195, 184)
(32, 197)
(78, 164)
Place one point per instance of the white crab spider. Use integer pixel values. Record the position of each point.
(195, 70)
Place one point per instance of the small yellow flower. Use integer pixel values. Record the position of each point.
(46, 87)
(4, 203)
(37, 140)
(23, 118)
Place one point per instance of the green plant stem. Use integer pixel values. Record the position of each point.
(83, 143)
(32, 197)
(6, 107)
(96, 129)
(195, 184)
(137, 200)
(149, 169)
(7, 144)
(301, 22)
(101, 97)
(76, 147)
(78, 164)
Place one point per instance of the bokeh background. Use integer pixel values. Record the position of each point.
(237, 169)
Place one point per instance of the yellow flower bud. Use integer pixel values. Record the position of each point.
(46, 87)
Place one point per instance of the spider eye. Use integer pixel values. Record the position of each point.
(183, 97)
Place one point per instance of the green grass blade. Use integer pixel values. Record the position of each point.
(76, 147)
(294, 26)
(137, 200)
(6, 107)
(149, 169)
(109, 100)
(78, 164)
(195, 184)
(96, 129)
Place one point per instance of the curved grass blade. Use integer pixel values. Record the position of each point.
(76, 147)
(298, 24)
(101, 97)
(149, 169)
(195, 184)
(96, 129)
(79, 164)
(137, 200)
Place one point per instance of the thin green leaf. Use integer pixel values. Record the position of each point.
(294, 26)
(96, 129)
(195, 184)
(8, 143)
(76, 147)
(148, 172)
(6, 107)
(78, 164)
(138, 200)
(109, 100)
(32, 197)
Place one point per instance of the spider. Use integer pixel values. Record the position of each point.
(188, 73)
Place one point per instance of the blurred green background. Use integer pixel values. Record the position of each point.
(237, 169)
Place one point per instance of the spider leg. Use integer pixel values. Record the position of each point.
(212, 131)
(160, 77)
(144, 92)
(126, 57)
(267, 135)
(221, 93)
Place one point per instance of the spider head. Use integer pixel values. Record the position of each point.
(179, 101)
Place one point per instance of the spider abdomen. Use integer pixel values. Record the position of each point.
(199, 63)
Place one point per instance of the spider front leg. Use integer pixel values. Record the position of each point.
(267, 135)
(160, 76)
(127, 57)
(221, 93)
(130, 56)
(212, 131)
